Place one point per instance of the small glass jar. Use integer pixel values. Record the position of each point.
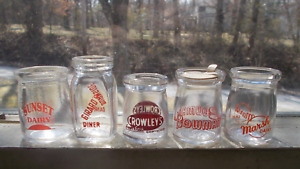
(93, 95)
(145, 119)
(251, 106)
(43, 101)
(198, 106)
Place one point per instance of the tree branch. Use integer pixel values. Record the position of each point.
(107, 10)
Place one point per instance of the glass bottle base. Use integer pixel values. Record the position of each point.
(247, 141)
(144, 141)
(47, 136)
(186, 142)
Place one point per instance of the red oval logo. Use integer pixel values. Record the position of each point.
(146, 116)
(142, 122)
(39, 127)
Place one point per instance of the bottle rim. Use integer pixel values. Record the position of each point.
(200, 75)
(146, 79)
(253, 73)
(41, 73)
(90, 62)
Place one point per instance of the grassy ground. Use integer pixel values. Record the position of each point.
(105, 33)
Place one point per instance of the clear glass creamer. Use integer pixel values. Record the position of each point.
(94, 103)
(251, 107)
(145, 119)
(198, 106)
(43, 101)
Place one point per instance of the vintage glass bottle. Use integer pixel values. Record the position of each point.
(44, 105)
(251, 106)
(198, 106)
(93, 95)
(145, 119)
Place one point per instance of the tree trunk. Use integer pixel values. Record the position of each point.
(238, 27)
(162, 16)
(140, 18)
(149, 15)
(92, 19)
(195, 22)
(298, 26)
(66, 18)
(240, 19)
(116, 15)
(289, 19)
(219, 20)
(76, 16)
(253, 30)
(33, 29)
(88, 13)
(156, 18)
(3, 19)
(50, 14)
(177, 26)
(34, 19)
(83, 27)
(234, 15)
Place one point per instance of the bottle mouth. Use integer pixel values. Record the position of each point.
(146, 79)
(200, 75)
(41, 73)
(255, 73)
(92, 62)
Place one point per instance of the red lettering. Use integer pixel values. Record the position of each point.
(89, 110)
(33, 106)
(97, 95)
(37, 107)
(38, 119)
(198, 111)
(25, 110)
(91, 124)
(197, 124)
(50, 110)
(84, 117)
(187, 123)
(44, 108)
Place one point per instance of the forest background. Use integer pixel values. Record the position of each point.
(154, 35)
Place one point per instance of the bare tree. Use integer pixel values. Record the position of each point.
(253, 29)
(76, 13)
(149, 15)
(89, 13)
(219, 20)
(3, 19)
(33, 29)
(238, 28)
(156, 18)
(116, 15)
(83, 27)
(234, 14)
(289, 18)
(140, 18)
(66, 17)
(298, 25)
(162, 16)
(177, 26)
(34, 19)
